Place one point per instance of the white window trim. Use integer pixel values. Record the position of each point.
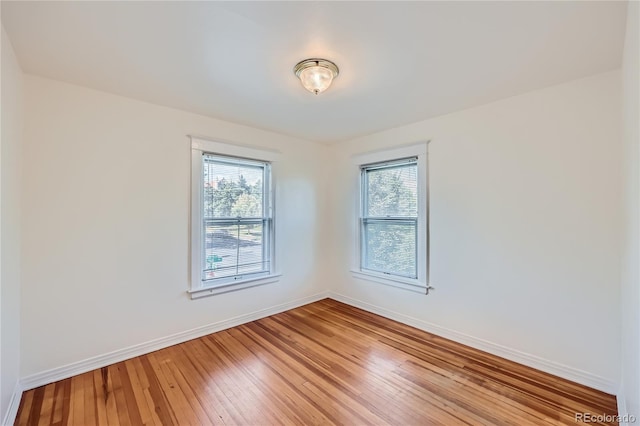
(422, 283)
(200, 145)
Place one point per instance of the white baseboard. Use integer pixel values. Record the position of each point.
(551, 367)
(622, 407)
(14, 404)
(75, 368)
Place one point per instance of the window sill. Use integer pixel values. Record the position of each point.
(390, 280)
(233, 286)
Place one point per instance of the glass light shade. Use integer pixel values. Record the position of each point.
(316, 74)
(316, 79)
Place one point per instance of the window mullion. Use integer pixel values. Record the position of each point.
(390, 219)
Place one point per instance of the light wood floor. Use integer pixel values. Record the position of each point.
(323, 363)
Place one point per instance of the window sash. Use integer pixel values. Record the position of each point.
(265, 261)
(209, 159)
(367, 263)
(386, 165)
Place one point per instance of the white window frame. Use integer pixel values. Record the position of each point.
(421, 283)
(199, 147)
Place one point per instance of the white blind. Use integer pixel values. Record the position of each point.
(235, 220)
(390, 217)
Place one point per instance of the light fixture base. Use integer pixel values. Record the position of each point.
(316, 62)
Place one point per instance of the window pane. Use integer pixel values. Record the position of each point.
(392, 191)
(233, 249)
(390, 247)
(251, 255)
(232, 190)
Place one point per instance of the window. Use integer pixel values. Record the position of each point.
(389, 223)
(392, 246)
(232, 222)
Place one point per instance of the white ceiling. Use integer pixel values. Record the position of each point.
(400, 62)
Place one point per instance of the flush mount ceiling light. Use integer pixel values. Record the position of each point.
(316, 74)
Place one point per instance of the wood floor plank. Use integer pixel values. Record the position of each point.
(58, 403)
(146, 417)
(47, 405)
(111, 408)
(322, 363)
(249, 393)
(66, 402)
(25, 408)
(214, 381)
(343, 380)
(74, 392)
(119, 396)
(200, 387)
(176, 399)
(178, 370)
(99, 398)
(287, 379)
(230, 381)
(36, 407)
(133, 408)
(162, 407)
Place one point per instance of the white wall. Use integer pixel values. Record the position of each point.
(630, 391)
(10, 168)
(525, 225)
(105, 223)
